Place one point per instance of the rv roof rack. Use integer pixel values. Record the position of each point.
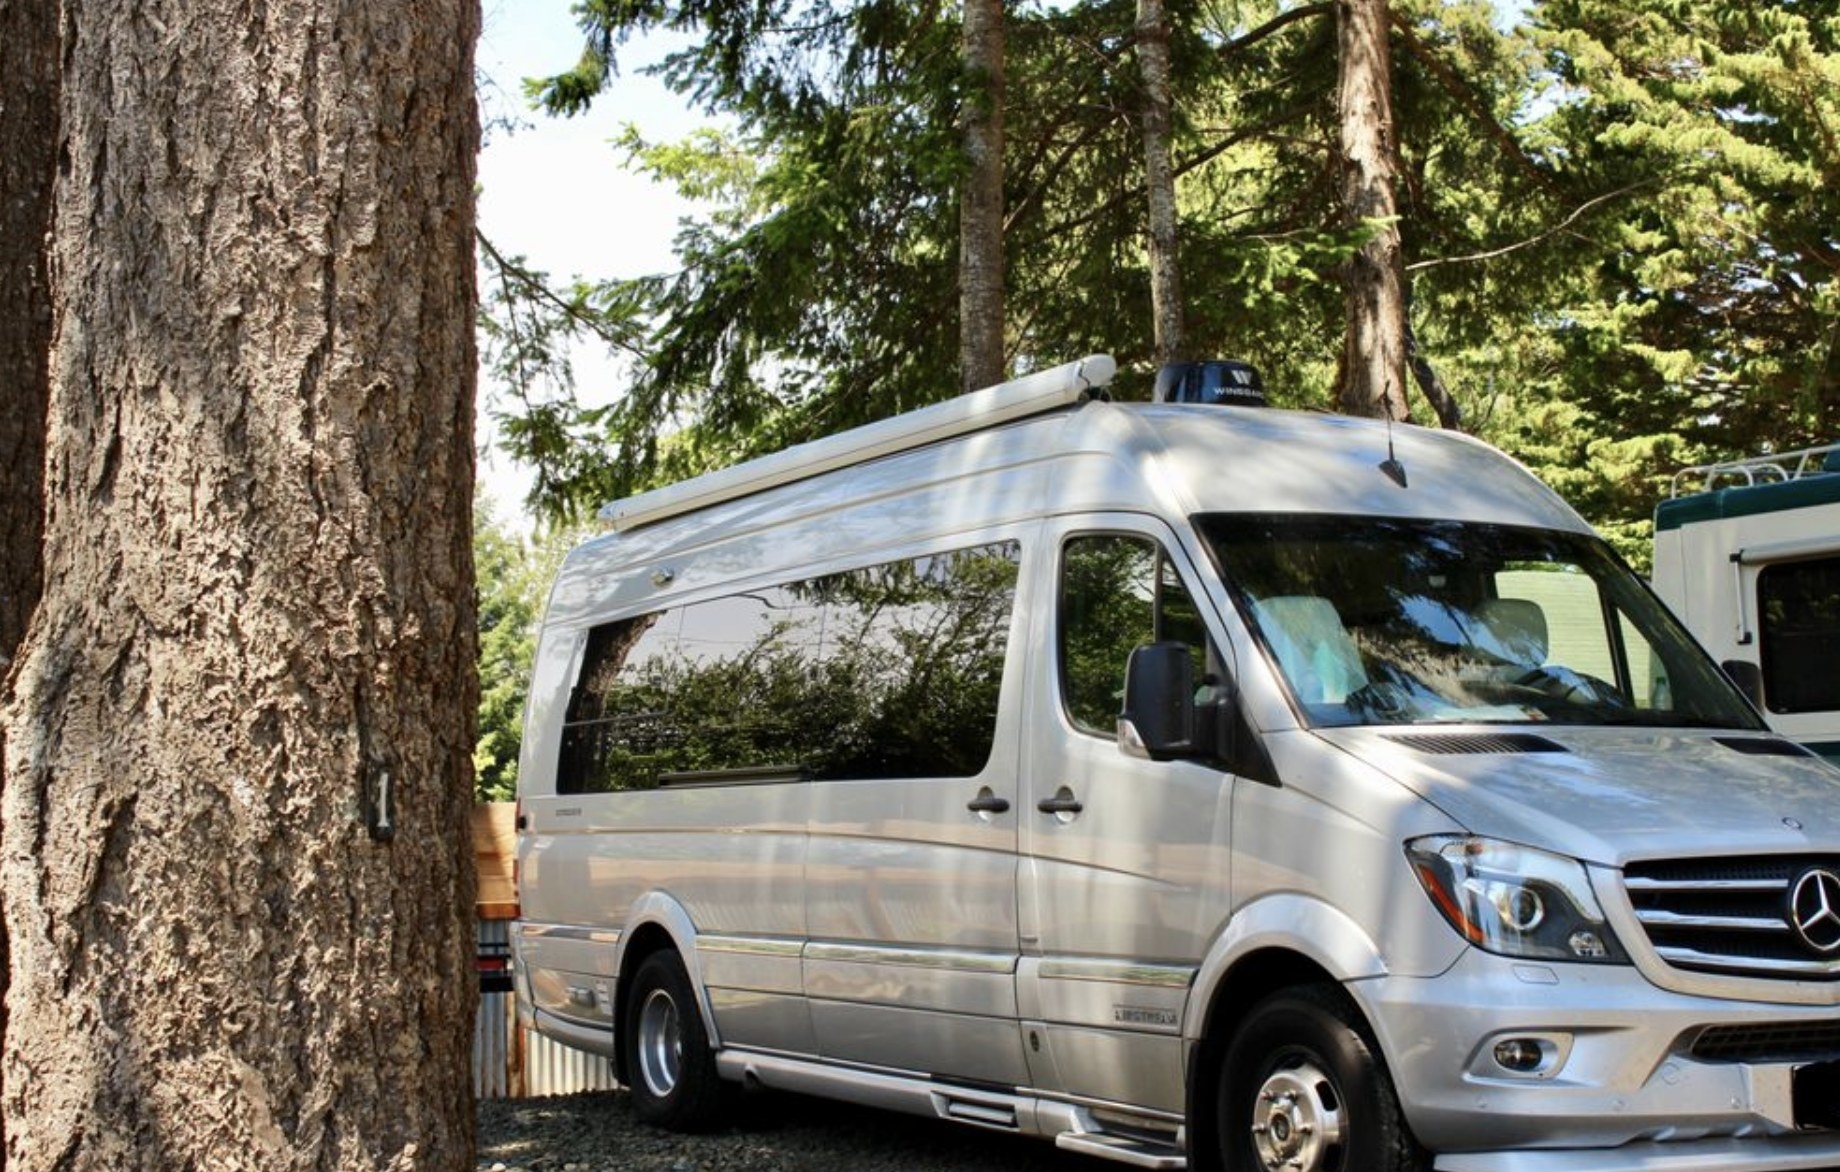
(1771, 469)
(1019, 398)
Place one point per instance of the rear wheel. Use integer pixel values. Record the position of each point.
(670, 1066)
(1303, 1090)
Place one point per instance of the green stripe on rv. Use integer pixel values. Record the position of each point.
(1827, 749)
(1747, 501)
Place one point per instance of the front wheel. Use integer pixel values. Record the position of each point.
(1303, 1090)
(670, 1068)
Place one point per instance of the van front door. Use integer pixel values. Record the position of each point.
(1125, 861)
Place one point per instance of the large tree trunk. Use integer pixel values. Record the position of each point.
(980, 218)
(1160, 179)
(1373, 366)
(28, 157)
(236, 865)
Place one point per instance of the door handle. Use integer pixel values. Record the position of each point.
(987, 802)
(1063, 802)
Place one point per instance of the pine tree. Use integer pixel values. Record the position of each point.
(237, 877)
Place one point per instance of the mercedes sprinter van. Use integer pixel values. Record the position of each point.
(1192, 784)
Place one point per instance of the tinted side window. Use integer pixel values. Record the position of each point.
(887, 671)
(1799, 603)
(1117, 592)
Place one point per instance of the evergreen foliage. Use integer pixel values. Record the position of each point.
(513, 575)
(1616, 216)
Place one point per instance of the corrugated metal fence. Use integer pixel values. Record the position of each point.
(509, 1063)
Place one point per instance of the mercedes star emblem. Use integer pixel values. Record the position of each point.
(1814, 910)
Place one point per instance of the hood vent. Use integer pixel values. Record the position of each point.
(1763, 746)
(1462, 743)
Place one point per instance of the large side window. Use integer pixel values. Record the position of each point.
(887, 671)
(1799, 604)
(1117, 592)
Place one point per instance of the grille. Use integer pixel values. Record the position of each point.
(1805, 1042)
(1728, 916)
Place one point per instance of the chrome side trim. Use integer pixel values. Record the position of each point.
(750, 945)
(969, 962)
(529, 930)
(569, 1033)
(1112, 972)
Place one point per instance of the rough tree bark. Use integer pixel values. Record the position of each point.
(980, 217)
(1160, 179)
(28, 156)
(236, 868)
(1443, 404)
(1373, 364)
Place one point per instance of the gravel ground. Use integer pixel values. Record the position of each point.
(596, 1132)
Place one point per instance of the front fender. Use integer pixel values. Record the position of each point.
(1288, 922)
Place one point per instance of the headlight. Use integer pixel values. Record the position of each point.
(1514, 900)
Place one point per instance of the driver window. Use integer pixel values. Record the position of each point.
(1116, 593)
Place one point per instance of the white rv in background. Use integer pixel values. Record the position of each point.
(1190, 784)
(1748, 554)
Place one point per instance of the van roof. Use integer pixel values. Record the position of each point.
(1019, 398)
(1172, 460)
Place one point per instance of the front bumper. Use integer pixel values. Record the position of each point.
(1618, 1086)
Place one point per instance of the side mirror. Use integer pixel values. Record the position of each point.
(1159, 702)
(1748, 677)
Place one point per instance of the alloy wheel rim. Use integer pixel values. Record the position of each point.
(661, 1049)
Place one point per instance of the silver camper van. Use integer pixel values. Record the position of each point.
(1190, 784)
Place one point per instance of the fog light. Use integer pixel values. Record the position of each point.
(1520, 1055)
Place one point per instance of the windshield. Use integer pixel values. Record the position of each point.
(1381, 621)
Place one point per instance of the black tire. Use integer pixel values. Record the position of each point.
(1303, 1089)
(670, 1067)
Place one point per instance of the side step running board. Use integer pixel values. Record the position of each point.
(1071, 1127)
(1137, 1153)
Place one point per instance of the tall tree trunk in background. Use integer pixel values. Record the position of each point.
(1160, 179)
(28, 161)
(980, 217)
(236, 866)
(1443, 403)
(1373, 366)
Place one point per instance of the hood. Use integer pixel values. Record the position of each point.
(1610, 795)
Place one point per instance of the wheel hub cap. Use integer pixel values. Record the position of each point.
(1297, 1121)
